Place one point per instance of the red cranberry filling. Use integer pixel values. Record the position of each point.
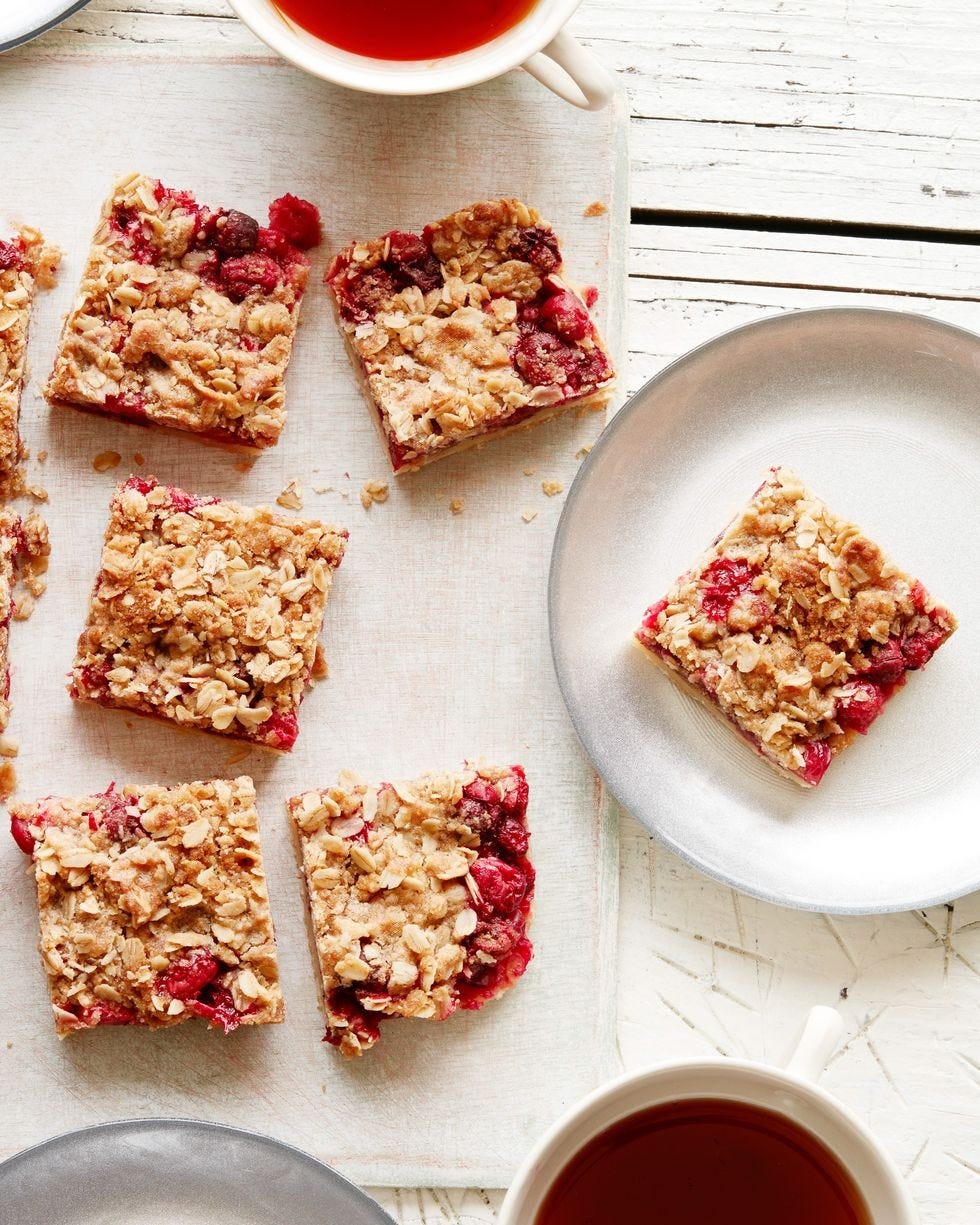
(918, 649)
(114, 815)
(20, 831)
(245, 274)
(129, 226)
(885, 664)
(816, 759)
(859, 706)
(410, 261)
(543, 359)
(217, 1006)
(482, 982)
(515, 797)
(235, 233)
(126, 404)
(298, 221)
(281, 729)
(343, 1003)
(566, 315)
(105, 1012)
(502, 886)
(722, 583)
(187, 977)
(11, 256)
(651, 618)
(534, 244)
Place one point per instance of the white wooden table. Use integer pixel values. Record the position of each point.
(785, 154)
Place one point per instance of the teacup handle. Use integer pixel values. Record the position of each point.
(573, 73)
(817, 1043)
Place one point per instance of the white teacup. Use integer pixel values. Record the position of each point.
(537, 43)
(791, 1092)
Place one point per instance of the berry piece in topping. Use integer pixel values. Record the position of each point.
(816, 758)
(21, 834)
(534, 244)
(118, 816)
(565, 314)
(281, 729)
(298, 221)
(106, 1012)
(245, 274)
(514, 801)
(651, 618)
(481, 790)
(11, 255)
(502, 886)
(544, 359)
(722, 583)
(513, 836)
(918, 649)
(236, 233)
(885, 664)
(859, 705)
(126, 404)
(348, 1016)
(187, 977)
(216, 1005)
(412, 263)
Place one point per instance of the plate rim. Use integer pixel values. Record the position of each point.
(180, 1123)
(36, 31)
(630, 407)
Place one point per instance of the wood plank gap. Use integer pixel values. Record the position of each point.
(802, 225)
(820, 288)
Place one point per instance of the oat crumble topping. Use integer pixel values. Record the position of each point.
(552, 488)
(467, 330)
(153, 906)
(796, 627)
(186, 315)
(24, 550)
(420, 894)
(26, 264)
(373, 491)
(206, 613)
(292, 496)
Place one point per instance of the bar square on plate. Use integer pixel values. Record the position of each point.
(186, 315)
(467, 330)
(206, 613)
(153, 906)
(795, 627)
(420, 895)
(26, 263)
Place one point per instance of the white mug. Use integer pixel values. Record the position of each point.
(537, 43)
(791, 1092)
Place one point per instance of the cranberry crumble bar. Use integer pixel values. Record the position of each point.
(420, 895)
(796, 627)
(186, 314)
(153, 906)
(25, 263)
(23, 543)
(467, 330)
(206, 613)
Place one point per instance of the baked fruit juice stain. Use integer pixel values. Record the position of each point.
(393, 30)
(704, 1161)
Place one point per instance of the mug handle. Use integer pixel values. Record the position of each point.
(573, 73)
(820, 1036)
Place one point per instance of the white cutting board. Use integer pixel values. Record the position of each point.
(436, 632)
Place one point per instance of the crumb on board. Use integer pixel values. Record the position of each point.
(243, 465)
(42, 456)
(528, 515)
(22, 605)
(583, 451)
(106, 460)
(8, 747)
(530, 471)
(38, 493)
(373, 491)
(323, 488)
(139, 459)
(595, 209)
(8, 780)
(321, 669)
(551, 488)
(292, 496)
(456, 506)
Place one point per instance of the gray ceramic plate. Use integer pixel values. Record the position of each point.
(879, 412)
(22, 20)
(175, 1172)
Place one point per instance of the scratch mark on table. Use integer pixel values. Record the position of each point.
(690, 1024)
(916, 1159)
(876, 1056)
(964, 1163)
(839, 940)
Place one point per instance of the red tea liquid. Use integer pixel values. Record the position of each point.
(396, 30)
(704, 1162)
